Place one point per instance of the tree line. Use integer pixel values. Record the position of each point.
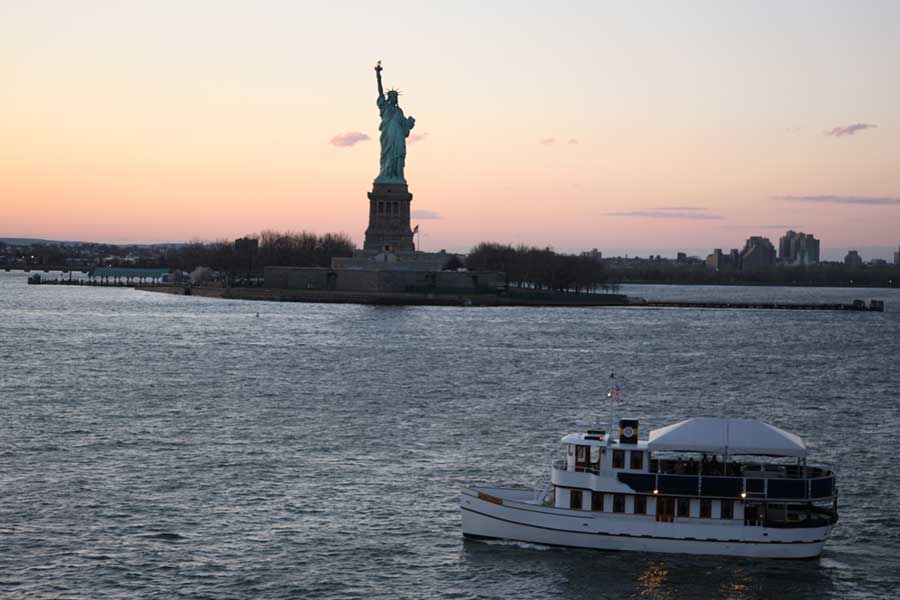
(248, 255)
(539, 268)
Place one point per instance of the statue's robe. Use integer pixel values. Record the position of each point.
(394, 129)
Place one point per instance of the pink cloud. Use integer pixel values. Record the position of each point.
(343, 140)
(416, 137)
(849, 129)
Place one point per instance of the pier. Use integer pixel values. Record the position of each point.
(856, 305)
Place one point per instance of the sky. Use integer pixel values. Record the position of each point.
(628, 127)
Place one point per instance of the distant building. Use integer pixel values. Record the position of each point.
(719, 261)
(853, 259)
(758, 253)
(878, 262)
(798, 248)
(897, 257)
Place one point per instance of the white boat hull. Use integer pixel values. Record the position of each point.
(515, 517)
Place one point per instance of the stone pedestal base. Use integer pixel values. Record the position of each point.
(389, 229)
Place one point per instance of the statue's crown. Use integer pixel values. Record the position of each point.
(395, 92)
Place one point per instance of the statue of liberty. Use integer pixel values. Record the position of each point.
(394, 129)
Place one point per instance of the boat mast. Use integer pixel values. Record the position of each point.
(612, 402)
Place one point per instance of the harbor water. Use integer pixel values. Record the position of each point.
(162, 446)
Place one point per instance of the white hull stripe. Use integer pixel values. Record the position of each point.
(628, 535)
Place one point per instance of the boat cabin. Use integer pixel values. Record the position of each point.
(737, 470)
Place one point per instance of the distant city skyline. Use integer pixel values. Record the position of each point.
(637, 129)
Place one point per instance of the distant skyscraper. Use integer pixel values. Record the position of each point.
(897, 257)
(853, 259)
(798, 248)
(719, 260)
(787, 246)
(758, 253)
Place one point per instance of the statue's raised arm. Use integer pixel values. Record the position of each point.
(378, 77)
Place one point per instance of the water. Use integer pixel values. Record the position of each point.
(157, 446)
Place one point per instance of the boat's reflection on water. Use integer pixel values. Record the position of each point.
(652, 582)
(655, 582)
(574, 573)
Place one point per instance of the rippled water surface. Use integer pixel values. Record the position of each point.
(155, 446)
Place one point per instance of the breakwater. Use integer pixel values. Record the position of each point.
(505, 298)
(856, 305)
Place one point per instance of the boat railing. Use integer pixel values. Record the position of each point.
(821, 487)
(735, 469)
(561, 465)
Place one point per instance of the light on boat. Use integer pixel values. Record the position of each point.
(743, 494)
(655, 491)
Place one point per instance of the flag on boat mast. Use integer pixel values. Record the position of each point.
(615, 392)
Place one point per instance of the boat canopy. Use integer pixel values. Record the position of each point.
(726, 436)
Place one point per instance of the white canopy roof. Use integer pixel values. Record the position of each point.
(726, 436)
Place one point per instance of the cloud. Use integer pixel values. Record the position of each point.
(573, 141)
(546, 141)
(344, 140)
(424, 214)
(664, 214)
(689, 208)
(841, 131)
(762, 227)
(416, 137)
(867, 200)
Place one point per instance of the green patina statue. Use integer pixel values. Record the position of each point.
(395, 128)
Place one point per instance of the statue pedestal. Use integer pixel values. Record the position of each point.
(389, 229)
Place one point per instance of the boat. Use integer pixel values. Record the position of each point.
(715, 486)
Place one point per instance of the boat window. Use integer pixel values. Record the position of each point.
(752, 514)
(705, 509)
(640, 505)
(618, 459)
(664, 508)
(597, 501)
(579, 453)
(619, 503)
(637, 459)
(776, 512)
(595, 454)
(796, 513)
(727, 511)
(575, 499)
(684, 507)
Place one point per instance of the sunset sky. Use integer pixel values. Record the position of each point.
(630, 127)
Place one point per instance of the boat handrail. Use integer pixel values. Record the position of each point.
(750, 488)
(561, 465)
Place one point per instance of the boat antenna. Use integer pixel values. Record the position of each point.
(612, 395)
